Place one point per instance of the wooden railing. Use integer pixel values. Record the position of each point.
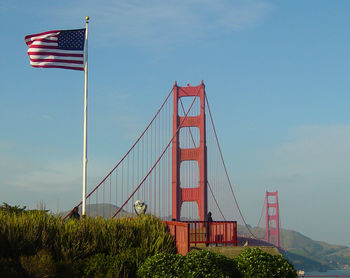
(213, 232)
(193, 233)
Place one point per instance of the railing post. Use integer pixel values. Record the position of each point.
(195, 234)
(188, 237)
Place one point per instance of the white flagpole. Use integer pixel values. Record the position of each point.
(85, 120)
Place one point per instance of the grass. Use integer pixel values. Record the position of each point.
(36, 238)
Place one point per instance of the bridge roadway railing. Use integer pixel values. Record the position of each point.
(189, 234)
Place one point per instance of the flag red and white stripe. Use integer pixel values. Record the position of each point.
(57, 49)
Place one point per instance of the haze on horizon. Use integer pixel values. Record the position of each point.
(277, 78)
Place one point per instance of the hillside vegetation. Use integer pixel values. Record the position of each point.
(306, 253)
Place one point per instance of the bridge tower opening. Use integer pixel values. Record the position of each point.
(272, 218)
(190, 193)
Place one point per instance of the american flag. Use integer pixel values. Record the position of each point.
(57, 49)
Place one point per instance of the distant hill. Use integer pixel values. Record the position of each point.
(329, 255)
(103, 210)
(306, 253)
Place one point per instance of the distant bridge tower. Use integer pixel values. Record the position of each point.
(272, 218)
(197, 193)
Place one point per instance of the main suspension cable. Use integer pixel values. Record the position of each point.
(155, 164)
(127, 153)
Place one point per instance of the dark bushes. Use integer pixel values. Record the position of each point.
(164, 265)
(252, 262)
(196, 264)
(255, 263)
(101, 265)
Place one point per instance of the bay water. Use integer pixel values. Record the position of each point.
(329, 272)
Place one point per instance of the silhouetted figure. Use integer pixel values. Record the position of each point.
(209, 220)
(75, 214)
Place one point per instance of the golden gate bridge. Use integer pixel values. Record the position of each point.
(177, 168)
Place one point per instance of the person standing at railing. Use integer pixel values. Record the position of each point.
(74, 214)
(208, 224)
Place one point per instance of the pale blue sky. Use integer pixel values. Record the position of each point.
(276, 75)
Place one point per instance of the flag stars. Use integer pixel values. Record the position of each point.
(71, 39)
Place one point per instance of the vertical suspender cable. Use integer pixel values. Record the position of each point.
(159, 158)
(227, 176)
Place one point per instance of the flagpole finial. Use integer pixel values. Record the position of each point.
(87, 18)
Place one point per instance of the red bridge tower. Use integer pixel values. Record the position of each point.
(196, 194)
(272, 218)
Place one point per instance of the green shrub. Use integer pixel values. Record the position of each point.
(82, 239)
(200, 263)
(203, 263)
(42, 264)
(10, 269)
(101, 265)
(164, 265)
(26, 233)
(12, 209)
(39, 265)
(255, 263)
